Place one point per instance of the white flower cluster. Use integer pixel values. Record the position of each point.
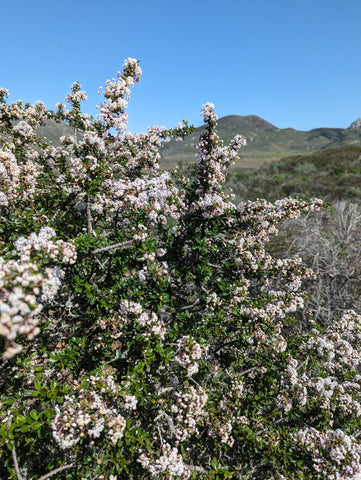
(339, 349)
(4, 92)
(187, 354)
(224, 431)
(22, 285)
(18, 180)
(170, 463)
(212, 301)
(208, 113)
(213, 164)
(76, 95)
(24, 130)
(117, 94)
(130, 312)
(157, 197)
(335, 455)
(86, 414)
(9, 177)
(64, 251)
(189, 409)
(214, 205)
(35, 114)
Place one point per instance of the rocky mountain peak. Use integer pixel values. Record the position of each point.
(356, 124)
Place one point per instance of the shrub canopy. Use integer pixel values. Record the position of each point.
(145, 330)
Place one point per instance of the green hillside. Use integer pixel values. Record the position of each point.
(323, 162)
(53, 131)
(265, 142)
(333, 174)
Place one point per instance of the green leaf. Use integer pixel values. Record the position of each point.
(34, 414)
(36, 425)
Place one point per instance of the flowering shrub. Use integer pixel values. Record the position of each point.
(155, 336)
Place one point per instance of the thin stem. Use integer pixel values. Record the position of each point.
(112, 247)
(89, 217)
(57, 470)
(17, 470)
(13, 453)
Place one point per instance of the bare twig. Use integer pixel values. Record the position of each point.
(195, 468)
(112, 247)
(13, 453)
(249, 370)
(17, 470)
(89, 217)
(57, 470)
(55, 214)
(191, 305)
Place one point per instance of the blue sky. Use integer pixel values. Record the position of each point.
(295, 63)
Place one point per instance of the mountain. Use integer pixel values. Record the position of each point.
(265, 142)
(356, 124)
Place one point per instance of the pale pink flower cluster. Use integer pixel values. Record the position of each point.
(213, 300)
(276, 308)
(86, 414)
(18, 181)
(224, 431)
(214, 205)
(340, 344)
(24, 130)
(262, 214)
(208, 113)
(104, 383)
(64, 251)
(212, 168)
(117, 94)
(35, 114)
(131, 313)
(338, 349)
(189, 409)
(188, 353)
(213, 164)
(4, 92)
(9, 177)
(143, 148)
(156, 196)
(76, 95)
(222, 427)
(14, 112)
(79, 169)
(170, 463)
(239, 293)
(21, 285)
(336, 456)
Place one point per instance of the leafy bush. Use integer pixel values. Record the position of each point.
(146, 332)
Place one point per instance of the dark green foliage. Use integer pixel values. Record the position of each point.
(331, 174)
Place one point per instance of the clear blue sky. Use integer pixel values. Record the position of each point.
(296, 63)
